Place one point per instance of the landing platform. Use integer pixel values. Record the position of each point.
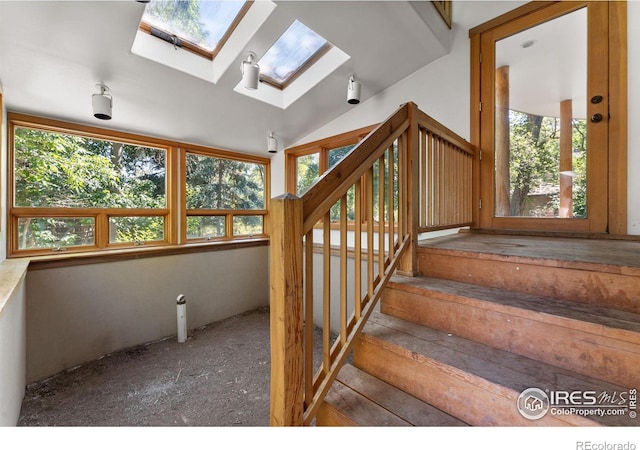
(612, 252)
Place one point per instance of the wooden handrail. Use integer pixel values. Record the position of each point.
(409, 174)
(333, 184)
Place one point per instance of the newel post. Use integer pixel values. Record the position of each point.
(408, 265)
(285, 262)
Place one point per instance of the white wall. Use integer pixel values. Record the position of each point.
(12, 340)
(77, 314)
(442, 89)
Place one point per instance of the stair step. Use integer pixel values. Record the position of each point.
(599, 342)
(473, 382)
(602, 273)
(359, 399)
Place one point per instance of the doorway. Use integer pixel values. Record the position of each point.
(547, 113)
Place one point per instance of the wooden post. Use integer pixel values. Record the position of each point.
(502, 187)
(566, 159)
(286, 306)
(408, 265)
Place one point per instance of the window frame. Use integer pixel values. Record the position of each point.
(228, 214)
(174, 213)
(322, 147)
(194, 48)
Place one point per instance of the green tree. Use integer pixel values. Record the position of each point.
(184, 16)
(533, 158)
(56, 170)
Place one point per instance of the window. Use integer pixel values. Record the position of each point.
(78, 189)
(199, 26)
(292, 53)
(305, 163)
(224, 198)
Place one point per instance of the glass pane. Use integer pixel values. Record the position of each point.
(540, 126)
(308, 171)
(202, 23)
(55, 232)
(56, 170)
(336, 154)
(136, 229)
(248, 225)
(217, 183)
(290, 52)
(199, 227)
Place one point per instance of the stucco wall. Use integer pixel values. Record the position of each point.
(12, 340)
(76, 314)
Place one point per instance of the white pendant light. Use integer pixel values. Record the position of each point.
(102, 103)
(353, 90)
(272, 143)
(250, 72)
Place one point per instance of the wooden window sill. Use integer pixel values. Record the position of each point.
(77, 259)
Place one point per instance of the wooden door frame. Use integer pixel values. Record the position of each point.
(615, 222)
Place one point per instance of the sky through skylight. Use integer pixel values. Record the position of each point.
(291, 51)
(201, 22)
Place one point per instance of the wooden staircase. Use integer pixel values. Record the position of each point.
(488, 317)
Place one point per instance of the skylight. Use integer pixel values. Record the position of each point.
(292, 53)
(201, 26)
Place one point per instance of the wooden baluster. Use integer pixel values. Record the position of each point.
(343, 270)
(308, 318)
(370, 230)
(381, 215)
(326, 293)
(357, 257)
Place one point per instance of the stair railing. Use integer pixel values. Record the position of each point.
(334, 249)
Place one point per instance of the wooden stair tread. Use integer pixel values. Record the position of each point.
(345, 407)
(554, 308)
(608, 255)
(372, 393)
(497, 367)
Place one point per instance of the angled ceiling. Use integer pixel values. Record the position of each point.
(52, 53)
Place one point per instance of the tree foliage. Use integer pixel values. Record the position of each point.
(56, 170)
(534, 165)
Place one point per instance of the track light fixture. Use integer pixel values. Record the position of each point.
(250, 72)
(353, 90)
(272, 143)
(102, 103)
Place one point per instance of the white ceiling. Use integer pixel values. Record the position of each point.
(552, 69)
(52, 53)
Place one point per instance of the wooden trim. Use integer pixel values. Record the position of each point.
(618, 120)
(101, 257)
(509, 16)
(444, 9)
(613, 198)
(322, 147)
(76, 129)
(224, 154)
(175, 178)
(334, 141)
(196, 49)
(475, 129)
(311, 61)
